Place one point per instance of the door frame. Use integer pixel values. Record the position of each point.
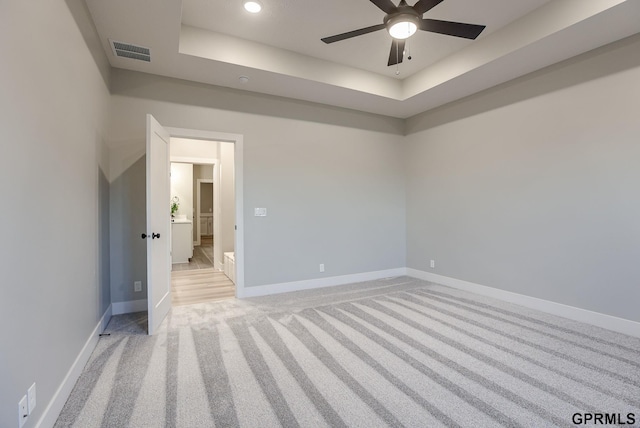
(237, 140)
(199, 182)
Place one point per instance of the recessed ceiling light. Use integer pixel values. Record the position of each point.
(253, 6)
(243, 79)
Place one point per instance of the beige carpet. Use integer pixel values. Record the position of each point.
(397, 352)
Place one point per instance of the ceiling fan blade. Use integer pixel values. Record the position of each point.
(426, 5)
(353, 33)
(386, 6)
(397, 52)
(456, 29)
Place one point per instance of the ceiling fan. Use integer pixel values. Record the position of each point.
(403, 21)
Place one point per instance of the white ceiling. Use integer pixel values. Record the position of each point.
(216, 41)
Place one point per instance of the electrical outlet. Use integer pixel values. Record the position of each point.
(23, 412)
(31, 397)
(137, 286)
(321, 267)
(433, 263)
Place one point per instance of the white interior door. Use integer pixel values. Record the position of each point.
(158, 224)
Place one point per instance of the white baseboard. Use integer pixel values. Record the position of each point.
(51, 413)
(598, 319)
(286, 287)
(129, 307)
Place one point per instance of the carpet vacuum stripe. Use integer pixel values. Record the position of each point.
(480, 359)
(313, 393)
(262, 373)
(340, 394)
(423, 368)
(219, 396)
(150, 402)
(506, 333)
(341, 372)
(340, 337)
(447, 361)
(551, 326)
(585, 346)
(526, 357)
(306, 413)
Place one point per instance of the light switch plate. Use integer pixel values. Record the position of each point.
(31, 397)
(260, 212)
(137, 286)
(23, 412)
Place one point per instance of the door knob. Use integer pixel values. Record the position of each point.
(155, 235)
(145, 236)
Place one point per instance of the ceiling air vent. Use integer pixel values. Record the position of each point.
(128, 50)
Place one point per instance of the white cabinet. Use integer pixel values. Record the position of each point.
(206, 224)
(181, 241)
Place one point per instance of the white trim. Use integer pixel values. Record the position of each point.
(286, 287)
(158, 260)
(199, 215)
(238, 141)
(51, 413)
(193, 159)
(217, 210)
(131, 306)
(620, 325)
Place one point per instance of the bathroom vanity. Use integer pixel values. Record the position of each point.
(181, 241)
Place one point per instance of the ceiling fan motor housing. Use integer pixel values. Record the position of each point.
(403, 14)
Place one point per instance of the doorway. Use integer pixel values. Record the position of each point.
(204, 210)
(202, 179)
(158, 269)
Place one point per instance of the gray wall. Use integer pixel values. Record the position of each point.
(128, 212)
(203, 171)
(331, 179)
(53, 110)
(532, 187)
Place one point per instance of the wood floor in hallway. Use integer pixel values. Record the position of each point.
(198, 286)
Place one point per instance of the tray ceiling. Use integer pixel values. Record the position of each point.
(279, 50)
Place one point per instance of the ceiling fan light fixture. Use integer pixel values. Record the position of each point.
(402, 26)
(253, 6)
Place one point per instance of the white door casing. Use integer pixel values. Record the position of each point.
(158, 224)
(198, 196)
(238, 141)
